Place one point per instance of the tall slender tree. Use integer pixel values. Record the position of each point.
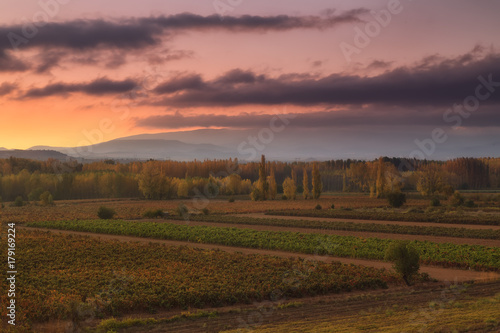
(305, 184)
(317, 186)
(273, 187)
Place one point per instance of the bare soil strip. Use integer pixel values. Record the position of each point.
(332, 219)
(364, 234)
(439, 273)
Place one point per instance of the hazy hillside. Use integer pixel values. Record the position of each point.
(40, 155)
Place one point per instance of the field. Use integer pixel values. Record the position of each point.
(96, 283)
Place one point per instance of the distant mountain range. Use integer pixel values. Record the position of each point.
(41, 155)
(286, 145)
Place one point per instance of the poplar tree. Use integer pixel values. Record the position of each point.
(317, 186)
(273, 187)
(305, 184)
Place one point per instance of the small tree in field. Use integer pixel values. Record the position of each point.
(406, 260)
(106, 213)
(396, 199)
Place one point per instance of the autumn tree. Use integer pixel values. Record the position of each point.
(273, 187)
(289, 188)
(261, 186)
(305, 184)
(380, 184)
(317, 186)
(431, 180)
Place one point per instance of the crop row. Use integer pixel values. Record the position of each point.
(67, 276)
(351, 226)
(444, 254)
(436, 217)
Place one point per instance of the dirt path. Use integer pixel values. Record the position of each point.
(441, 274)
(332, 219)
(365, 234)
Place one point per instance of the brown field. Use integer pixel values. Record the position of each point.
(305, 313)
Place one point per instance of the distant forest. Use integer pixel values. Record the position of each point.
(170, 179)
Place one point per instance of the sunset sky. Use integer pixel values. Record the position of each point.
(74, 72)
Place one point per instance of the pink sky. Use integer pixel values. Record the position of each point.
(49, 94)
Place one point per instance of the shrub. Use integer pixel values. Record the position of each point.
(435, 202)
(46, 198)
(205, 211)
(19, 202)
(396, 199)
(283, 197)
(406, 260)
(153, 213)
(182, 210)
(231, 199)
(332, 206)
(106, 213)
(318, 207)
(457, 199)
(470, 203)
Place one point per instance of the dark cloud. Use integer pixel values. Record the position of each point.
(254, 23)
(189, 82)
(6, 88)
(97, 87)
(238, 76)
(12, 64)
(379, 64)
(48, 60)
(488, 116)
(443, 82)
(143, 32)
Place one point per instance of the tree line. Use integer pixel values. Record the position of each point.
(262, 180)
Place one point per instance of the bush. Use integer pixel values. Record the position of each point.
(332, 206)
(318, 207)
(435, 202)
(19, 202)
(457, 199)
(205, 211)
(182, 210)
(406, 260)
(470, 203)
(231, 199)
(46, 199)
(396, 199)
(283, 197)
(153, 213)
(106, 213)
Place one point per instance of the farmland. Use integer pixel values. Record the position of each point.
(185, 287)
(66, 276)
(447, 255)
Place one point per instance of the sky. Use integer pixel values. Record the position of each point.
(417, 74)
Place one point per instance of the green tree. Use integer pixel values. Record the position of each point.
(396, 199)
(317, 185)
(305, 184)
(406, 260)
(289, 188)
(105, 213)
